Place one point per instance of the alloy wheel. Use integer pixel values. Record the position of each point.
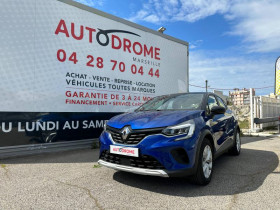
(207, 161)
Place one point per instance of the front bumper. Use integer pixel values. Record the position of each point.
(142, 171)
(158, 147)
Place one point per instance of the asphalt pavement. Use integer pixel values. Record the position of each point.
(74, 180)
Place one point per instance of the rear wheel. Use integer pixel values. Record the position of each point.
(236, 148)
(205, 164)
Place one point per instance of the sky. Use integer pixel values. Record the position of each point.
(233, 43)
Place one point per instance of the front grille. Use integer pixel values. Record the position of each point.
(143, 161)
(134, 137)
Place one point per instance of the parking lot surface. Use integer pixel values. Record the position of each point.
(73, 180)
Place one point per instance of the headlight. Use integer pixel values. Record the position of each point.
(187, 128)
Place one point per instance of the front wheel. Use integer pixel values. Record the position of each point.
(205, 164)
(236, 148)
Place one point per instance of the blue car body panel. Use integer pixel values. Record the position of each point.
(152, 119)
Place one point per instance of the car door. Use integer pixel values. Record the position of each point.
(229, 118)
(217, 122)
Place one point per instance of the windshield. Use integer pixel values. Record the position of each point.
(173, 102)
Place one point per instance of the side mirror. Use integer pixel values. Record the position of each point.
(217, 110)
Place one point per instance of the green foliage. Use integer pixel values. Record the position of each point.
(97, 166)
(244, 124)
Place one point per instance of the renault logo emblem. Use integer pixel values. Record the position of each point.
(125, 132)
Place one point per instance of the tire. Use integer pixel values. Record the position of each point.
(203, 176)
(236, 148)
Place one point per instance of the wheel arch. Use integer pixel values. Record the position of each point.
(238, 128)
(211, 139)
(204, 134)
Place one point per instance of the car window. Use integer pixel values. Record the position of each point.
(221, 102)
(186, 101)
(210, 103)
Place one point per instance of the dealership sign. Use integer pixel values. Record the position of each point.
(59, 60)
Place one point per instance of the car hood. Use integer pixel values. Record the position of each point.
(152, 119)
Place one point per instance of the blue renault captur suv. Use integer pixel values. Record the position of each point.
(171, 135)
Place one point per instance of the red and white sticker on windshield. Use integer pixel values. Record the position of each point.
(128, 151)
